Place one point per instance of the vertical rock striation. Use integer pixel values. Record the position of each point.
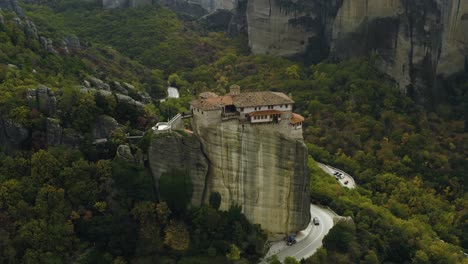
(416, 42)
(176, 152)
(252, 166)
(260, 169)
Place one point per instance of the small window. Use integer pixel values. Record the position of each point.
(242, 109)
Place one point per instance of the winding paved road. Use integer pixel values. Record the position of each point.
(351, 184)
(308, 240)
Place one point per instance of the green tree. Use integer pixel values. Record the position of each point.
(234, 253)
(44, 166)
(175, 188)
(273, 260)
(290, 260)
(292, 72)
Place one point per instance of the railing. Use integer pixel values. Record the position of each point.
(228, 116)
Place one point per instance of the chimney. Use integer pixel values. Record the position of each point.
(234, 89)
(290, 96)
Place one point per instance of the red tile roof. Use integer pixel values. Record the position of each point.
(296, 118)
(252, 99)
(209, 101)
(212, 103)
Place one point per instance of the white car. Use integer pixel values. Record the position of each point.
(316, 221)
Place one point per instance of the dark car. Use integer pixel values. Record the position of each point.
(290, 240)
(316, 221)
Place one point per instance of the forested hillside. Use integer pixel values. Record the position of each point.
(82, 199)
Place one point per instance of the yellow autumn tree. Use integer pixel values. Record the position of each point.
(177, 236)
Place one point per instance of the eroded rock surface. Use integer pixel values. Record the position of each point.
(263, 171)
(103, 126)
(254, 167)
(43, 99)
(416, 42)
(176, 152)
(54, 132)
(12, 134)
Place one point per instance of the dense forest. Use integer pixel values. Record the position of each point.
(80, 202)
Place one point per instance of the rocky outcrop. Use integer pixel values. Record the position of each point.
(263, 171)
(125, 153)
(104, 126)
(43, 99)
(98, 84)
(71, 137)
(119, 88)
(255, 167)
(54, 132)
(13, 6)
(173, 151)
(415, 41)
(112, 4)
(12, 134)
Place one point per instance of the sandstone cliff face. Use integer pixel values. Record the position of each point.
(270, 31)
(414, 40)
(176, 152)
(261, 170)
(255, 167)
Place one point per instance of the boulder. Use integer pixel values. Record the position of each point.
(117, 87)
(125, 153)
(71, 137)
(30, 30)
(87, 84)
(13, 6)
(72, 42)
(128, 86)
(54, 132)
(43, 99)
(98, 84)
(129, 100)
(47, 44)
(12, 134)
(104, 126)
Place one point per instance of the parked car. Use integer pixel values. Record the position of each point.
(316, 221)
(346, 182)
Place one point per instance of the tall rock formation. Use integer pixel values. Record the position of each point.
(172, 151)
(254, 166)
(416, 41)
(261, 170)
